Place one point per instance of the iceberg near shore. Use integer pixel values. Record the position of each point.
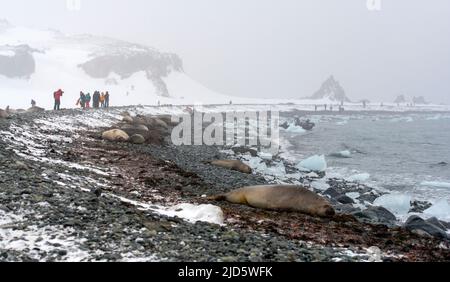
(314, 163)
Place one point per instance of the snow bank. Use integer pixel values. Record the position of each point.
(38, 240)
(436, 184)
(314, 163)
(189, 212)
(398, 204)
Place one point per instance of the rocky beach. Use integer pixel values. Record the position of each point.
(66, 194)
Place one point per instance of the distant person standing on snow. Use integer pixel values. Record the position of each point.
(33, 103)
(102, 100)
(96, 100)
(82, 100)
(57, 96)
(88, 100)
(107, 99)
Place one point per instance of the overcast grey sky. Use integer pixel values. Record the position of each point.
(275, 48)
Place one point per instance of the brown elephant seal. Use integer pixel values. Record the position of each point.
(35, 109)
(280, 198)
(115, 135)
(127, 119)
(233, 165)
(137, 139)
(3, 114)
(151, 122)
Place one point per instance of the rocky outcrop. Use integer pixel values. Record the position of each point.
(376, 215)
(419, 226)
(419, 100)
(332, 90)
(400, 99)
(17, 61)
(125, 63)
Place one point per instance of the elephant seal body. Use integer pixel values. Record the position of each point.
(3, 114)
(35, 109)
(115, 135)
(127, 119)
(280, 198)
(233, 165)
(137, 139)
(151, 122)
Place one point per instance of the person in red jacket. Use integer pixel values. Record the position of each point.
(57, 95)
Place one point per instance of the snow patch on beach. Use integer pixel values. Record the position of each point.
(194, 213)
(37, 242)
(189, 212)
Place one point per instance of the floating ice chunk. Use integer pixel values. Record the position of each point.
(265, 156)
(400, 119)
(314, 163)
(353, 195)
(359, 177)
(295, 129)
(257, 164)
(342, 154)
(436, 184)
(440, 210)
(312, 175)
(398, 204)
(193, 213)
(321, 185)
(436, 117)
(278, 170)
(345, 154)
(344, 122)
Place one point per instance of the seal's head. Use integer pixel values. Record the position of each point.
(326, 211)
(245, 169)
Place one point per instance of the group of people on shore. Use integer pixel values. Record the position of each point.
(340, 107)
(99, 100)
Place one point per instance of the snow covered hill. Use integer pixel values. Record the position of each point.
(35, 63)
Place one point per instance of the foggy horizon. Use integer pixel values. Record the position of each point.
(268, 49)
